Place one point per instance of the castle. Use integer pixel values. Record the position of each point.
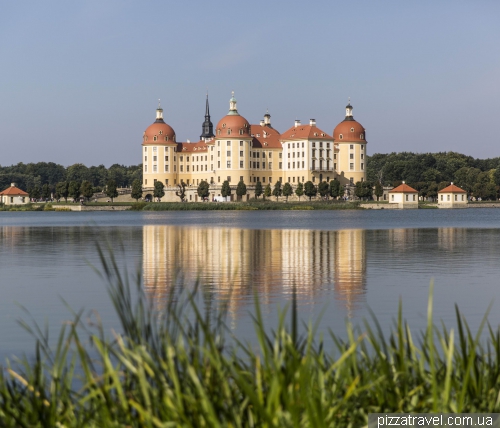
(237, 150)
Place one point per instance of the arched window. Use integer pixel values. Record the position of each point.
(154, 138)
(341, 136)
(362, 136)
(229, 131)
(241, 131)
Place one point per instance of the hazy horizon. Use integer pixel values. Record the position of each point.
(81, 81)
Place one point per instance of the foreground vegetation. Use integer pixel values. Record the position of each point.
(172, 369)
(253, 205)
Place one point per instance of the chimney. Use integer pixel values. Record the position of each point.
(312, 122)
(262, 122)
(297, 123)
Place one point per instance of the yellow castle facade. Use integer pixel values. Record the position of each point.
(239, 151)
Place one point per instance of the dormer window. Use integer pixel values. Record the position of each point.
(352, 129)
(241, 131)
(223, 125)
(341, 137)
(173, 138)
(161, 132)
(229, 131)
(315, 134)
(154, 138)
(218, 132)
(362, 136)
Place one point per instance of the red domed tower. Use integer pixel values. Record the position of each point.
(350, 137)
(232, 147)
(158, 152)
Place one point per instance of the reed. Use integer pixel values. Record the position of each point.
(182, 368)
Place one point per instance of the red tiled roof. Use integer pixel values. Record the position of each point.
(403, 188)
(305, 132)
(265, 137)
(13, 191)
(452, 189)
(200, 146)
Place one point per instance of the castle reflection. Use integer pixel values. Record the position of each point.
(233, 264)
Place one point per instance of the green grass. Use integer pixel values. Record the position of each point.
(174, 370)
(253, 205)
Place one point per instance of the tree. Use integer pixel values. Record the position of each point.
(87, 190)
(203, 189)
(226, 189)
(241, 189)
(159, 190)
(258, 189)
(267, 191)
(299, 191)
(181, 193)
(74, 190)
(277, 191)
(379, 190)
(136, 190)
(310, 189)
(324, 189)
(363, 190)
(287, 191)
(335, 188)
(62, 190)
(111, 191)
(46, 191)
(34, 193)
(77, 172)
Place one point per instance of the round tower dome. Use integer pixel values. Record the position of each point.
(158, 131)
(233, 124)
(349, 129)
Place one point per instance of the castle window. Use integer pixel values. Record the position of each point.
(351, 166)
(161, 132)
(270, 165)
(241, 131)
(241, 164)
(154, 138)
(351, 156)
(145, 149)
(241, 153)
(145, 168)
(352, 129)
(155, 149)
(229, 143)
(166, 168)
(362, 146)
(229, 131)
(229, 164)
(280, 155)
(314, 144)
(228, 154)
(218, 132)
(293, 145)
(223, 125)
(361, 136)
(351, 146)
(155, 168)
(362, 155)
(341, 136)
(327, 145)
(145, 158)
(280, 165)
(154, 158)
(173, 138)
(362, 166)
(241, 143)
(320, 144)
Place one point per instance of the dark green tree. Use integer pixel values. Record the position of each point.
(310, 189)
(226, 189)
(77, 172)
(324, 189)
(111, 190)
(379, 190)
(267, 191)
(46, 191)
(241, 189)
(287, 191)
(277, 191)
(74, 190)
(363, 190)
(159, 190)
(34, 193)
(335, 189)
(181, 193)
(299, 191)
(62, 190)
(258, 189)
(203, 189)
(86, 189)
(136, 190)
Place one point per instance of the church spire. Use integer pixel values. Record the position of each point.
(233, 109)
(207, 129)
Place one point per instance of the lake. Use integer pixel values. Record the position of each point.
(342, 263)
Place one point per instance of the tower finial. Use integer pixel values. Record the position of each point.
(159, 105)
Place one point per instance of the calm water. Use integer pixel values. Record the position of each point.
(341, 262)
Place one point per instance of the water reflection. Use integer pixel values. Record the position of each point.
(235, 263)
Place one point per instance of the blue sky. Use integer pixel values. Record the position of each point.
(80, 81)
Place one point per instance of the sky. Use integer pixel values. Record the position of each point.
(80, 81)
